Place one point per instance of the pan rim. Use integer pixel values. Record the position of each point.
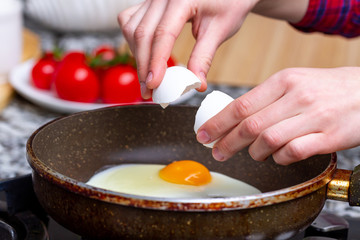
(169, 204)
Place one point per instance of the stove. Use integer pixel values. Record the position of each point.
(22, 218)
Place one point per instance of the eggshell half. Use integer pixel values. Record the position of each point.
(176, 82)
(213, 103)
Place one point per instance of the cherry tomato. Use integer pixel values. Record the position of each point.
(171, 62)
(102, 58)
(76, 82)
(70, 58)
(74, 57)
(42, 72)
(48, 55)
(120, 84)
(107, 53)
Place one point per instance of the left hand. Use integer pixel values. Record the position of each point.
(294, 114)
(152, 27)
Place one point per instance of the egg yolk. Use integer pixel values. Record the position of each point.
(186, 172)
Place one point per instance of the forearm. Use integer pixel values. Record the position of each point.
(289, 10)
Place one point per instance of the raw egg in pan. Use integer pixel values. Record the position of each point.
(180, 179)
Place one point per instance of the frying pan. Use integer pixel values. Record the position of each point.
(66, 152)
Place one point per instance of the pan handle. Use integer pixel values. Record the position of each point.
(345, 186)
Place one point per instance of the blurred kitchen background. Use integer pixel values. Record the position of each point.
(262, 47)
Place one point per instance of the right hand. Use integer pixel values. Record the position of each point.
(296, 113)
(152, 27)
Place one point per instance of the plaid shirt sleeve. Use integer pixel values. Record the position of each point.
(341, 17)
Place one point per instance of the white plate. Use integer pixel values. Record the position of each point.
(20, 80)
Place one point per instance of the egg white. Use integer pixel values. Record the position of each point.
(144, 180)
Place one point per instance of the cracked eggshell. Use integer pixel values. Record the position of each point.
(176, 82)
(213, 103)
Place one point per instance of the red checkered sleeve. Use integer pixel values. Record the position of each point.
(341, 17)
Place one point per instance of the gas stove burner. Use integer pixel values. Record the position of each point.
(24, 225)
(328, 226)
(21, 216)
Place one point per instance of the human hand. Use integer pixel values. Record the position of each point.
(152, 27)
(294, 114)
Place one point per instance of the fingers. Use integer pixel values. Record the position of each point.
(277, 136)
(203, 52)
(177, 13)
(261, 125)
(129, 19)
(288, 141)
(266, 118)
(151, 29)
(143, 38)
(210, 33)
(253, 101)
(303, 147)
(125, 15)
(293, 115)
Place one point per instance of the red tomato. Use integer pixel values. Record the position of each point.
(74, 57)
(106, 52)
(120, 84)
(48, 55)
(102, 59)
(171, 62)
(76, 82)
(42, 73)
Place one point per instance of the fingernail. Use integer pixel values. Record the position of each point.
(202, 77)
(218, 155)
(149, 77)
(203, 136)
(143, 88)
